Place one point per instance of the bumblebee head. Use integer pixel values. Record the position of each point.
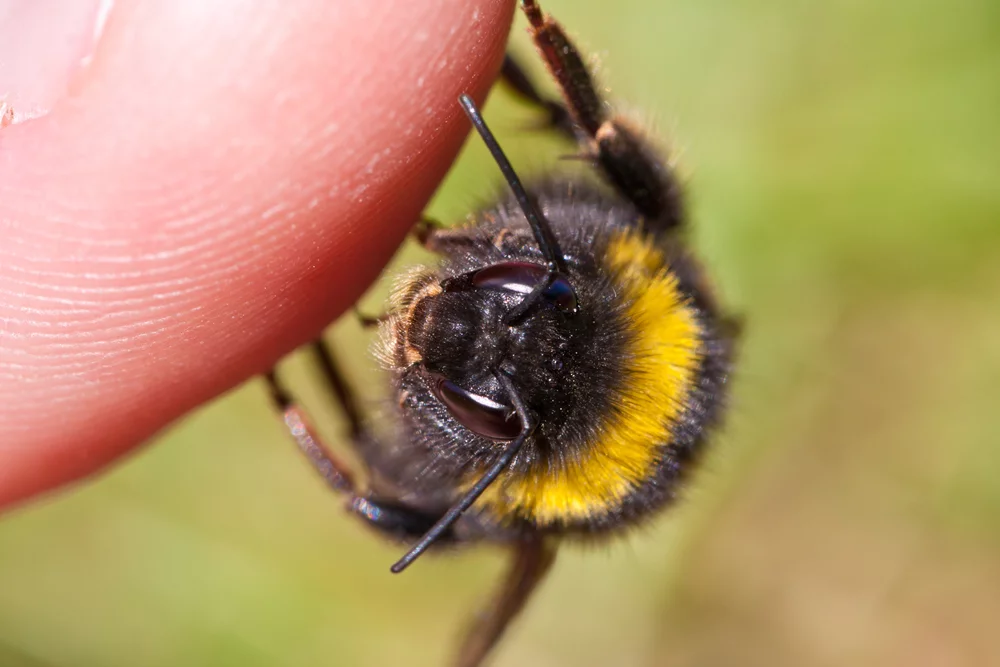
(476, 326)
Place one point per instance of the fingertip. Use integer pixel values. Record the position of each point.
(217, 189)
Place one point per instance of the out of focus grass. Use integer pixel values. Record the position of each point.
(844, 163)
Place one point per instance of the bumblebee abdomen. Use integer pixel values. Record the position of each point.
(670, 362)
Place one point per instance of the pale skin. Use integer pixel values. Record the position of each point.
(214, 186)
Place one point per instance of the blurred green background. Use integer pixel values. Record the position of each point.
(844, 177)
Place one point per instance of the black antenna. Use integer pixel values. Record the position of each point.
(451, 516)
(539, 225)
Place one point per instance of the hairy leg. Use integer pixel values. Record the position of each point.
(624, 156)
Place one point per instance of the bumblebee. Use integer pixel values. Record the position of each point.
(556, 374)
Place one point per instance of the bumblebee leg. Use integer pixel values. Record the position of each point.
(369, 321)
(425, 229)
(395, 520)
(518, 80)
(449, 240)
(622, 153)
(335, 378)
(437, 238)
(434, 237)
(533, 557)
(330, 467)
(398, 521)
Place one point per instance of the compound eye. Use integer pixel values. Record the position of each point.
(477, 413)
(521, 277)
(561, 293)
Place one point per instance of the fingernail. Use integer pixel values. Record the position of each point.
(43, 44)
